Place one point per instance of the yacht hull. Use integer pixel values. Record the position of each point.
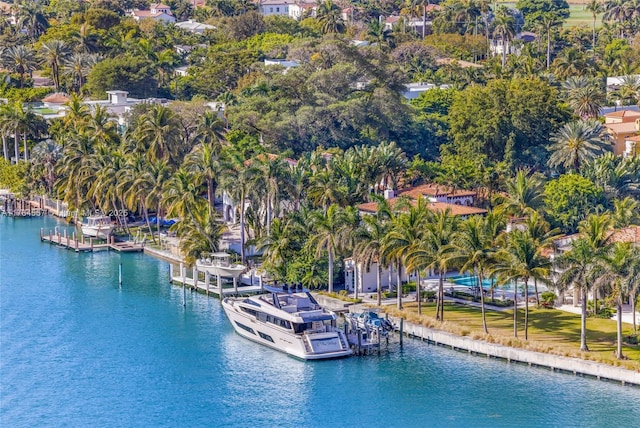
(304, 346)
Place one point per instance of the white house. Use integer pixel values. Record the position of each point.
(157, 12)
(275, 7)
(356, 275)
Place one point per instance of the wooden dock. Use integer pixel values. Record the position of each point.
(207, 286)
(84, 244)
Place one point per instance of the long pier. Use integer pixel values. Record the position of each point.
(207, 286)
(83, 244)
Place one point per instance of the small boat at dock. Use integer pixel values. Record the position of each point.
(218, 264)
(97, 226)
(289, 320)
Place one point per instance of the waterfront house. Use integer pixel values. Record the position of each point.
(621, 126)
(157, 12)
(441, 198)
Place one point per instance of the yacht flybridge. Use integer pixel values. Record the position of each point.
(290, 320)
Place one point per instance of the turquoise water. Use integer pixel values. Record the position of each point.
(76, 350)
(470, 281)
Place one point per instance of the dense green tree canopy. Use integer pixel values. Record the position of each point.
(128, 73)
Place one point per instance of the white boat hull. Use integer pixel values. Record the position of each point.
(305, 346)
(97, 232)
(232, 271)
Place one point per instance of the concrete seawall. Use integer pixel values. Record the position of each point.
(553, 362)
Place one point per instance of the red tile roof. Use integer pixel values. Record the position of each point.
(56, 98)
(457, 210)
(623, 113)
(434, 190)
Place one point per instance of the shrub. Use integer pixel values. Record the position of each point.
(548, 299)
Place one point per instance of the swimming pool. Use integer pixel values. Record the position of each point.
(469, 281)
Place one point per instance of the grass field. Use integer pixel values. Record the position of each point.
(579, 17)
(553, 331)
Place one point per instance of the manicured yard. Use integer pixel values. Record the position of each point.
(550, 330)
(578, 15)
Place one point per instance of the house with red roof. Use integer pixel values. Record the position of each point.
(157, 12)
(623, 126)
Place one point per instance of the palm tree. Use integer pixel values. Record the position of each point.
(329, 15)
(158, 134)
(31, 17)
(577, 265)
(203, 161)
(475, 249)
(53, 53)
(199, 234)
(77, 67)
(504, 26)
(576, 143)
(45, 155)
(524, 193)
(370, 248)
(237, 181)
(595, 7)
(378, 34)
(19, 59)
(328, 234)
(436, 250)
(520, 259)
(548, 21)
(618, 268)
(587, 101)
(277, 247)
(406, 233)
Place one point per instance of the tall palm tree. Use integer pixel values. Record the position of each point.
(278, 246)
(381, 36)
(520, 260)
(406, 233)
(199, 234)
(76, 68)
(32, 18)
(54, 53)
(237, 181)
(436, 250)
(576, 143)
(475, 249)
(504, 26)
(577, 265)
(19, 59)
(370, 248)
(617, 268)
(595, 7)
(547, 22)
(203, 161)
(328, 234)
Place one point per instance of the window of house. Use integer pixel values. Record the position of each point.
(277, 9)
(270, 9)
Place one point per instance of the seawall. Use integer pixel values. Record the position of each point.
(575, 366)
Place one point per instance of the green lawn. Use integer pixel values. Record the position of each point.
(578, 15)
(550, 330)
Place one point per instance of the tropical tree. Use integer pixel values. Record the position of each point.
(204, 163)
(158, 134)
(200, 234)
(54, 53)
(369, 249)
(328, 234)
(586, 101)
(504, 27)
(19, 59)
(595, 7)
(278, 247)
(329, 15)
(524, 193)
(520, 260)
(436, 250)
(618, 268)
(406, 233)
(576, 143)
(475, 249)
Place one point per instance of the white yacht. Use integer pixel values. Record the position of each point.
(98, 226)
(218, 264)
(290, 320)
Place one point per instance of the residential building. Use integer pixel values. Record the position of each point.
(441, 198)
(157, 12)
(622, 126)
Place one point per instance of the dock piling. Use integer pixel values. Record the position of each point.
(401, 330)
(120, 275)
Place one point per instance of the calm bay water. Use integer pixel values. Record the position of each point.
(76, 350)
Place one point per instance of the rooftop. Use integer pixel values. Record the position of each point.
(434, 190)
(457, 210)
